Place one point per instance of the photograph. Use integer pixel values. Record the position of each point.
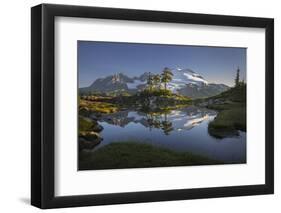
(140, 105)
(160, 105)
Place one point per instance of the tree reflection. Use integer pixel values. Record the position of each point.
(159, 121)
(167, 127)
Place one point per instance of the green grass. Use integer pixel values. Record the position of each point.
(120, 155)
(228, 122)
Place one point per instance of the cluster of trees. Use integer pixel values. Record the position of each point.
(156, 81)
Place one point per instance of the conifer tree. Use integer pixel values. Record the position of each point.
(167, 76)
(156, 81)
(149, 81)
(237, 79)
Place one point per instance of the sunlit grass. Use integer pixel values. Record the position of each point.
(100, 107)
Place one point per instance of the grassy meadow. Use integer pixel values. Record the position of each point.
(133, 154)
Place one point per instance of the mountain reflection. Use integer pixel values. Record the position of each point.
(166, 120)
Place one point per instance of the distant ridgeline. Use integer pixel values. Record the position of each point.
(184, 82)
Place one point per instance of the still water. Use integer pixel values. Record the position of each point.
(183, 130)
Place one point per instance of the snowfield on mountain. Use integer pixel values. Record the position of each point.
(184, 82)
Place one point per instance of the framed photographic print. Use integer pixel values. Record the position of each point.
(139, 106)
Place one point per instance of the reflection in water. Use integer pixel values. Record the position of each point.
(185, 118)
(183, 130)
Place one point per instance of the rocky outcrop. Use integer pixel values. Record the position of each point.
(89, 130)
(88, 144)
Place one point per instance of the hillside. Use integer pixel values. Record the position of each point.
(231, 105)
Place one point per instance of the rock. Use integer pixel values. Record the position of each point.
(94, 116)
(219, 101)
(211, 101)
(203, 104)
(97, 128)
(84, 111)
(94, 122)
(89, 136)
(88, 140)
(89, 124)
(85, 144)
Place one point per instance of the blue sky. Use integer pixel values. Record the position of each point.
(215, 64)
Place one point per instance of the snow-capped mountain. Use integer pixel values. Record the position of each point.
(138, 82)
(184, 81)
(182, 77)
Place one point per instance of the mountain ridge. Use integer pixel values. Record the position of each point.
(185, 82)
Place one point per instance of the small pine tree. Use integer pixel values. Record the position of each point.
(237, 79)
(167, 76)
(156, 81)
(149, 81)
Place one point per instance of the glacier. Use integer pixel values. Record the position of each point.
(182, 77)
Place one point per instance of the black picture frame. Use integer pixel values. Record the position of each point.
(43, 117)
